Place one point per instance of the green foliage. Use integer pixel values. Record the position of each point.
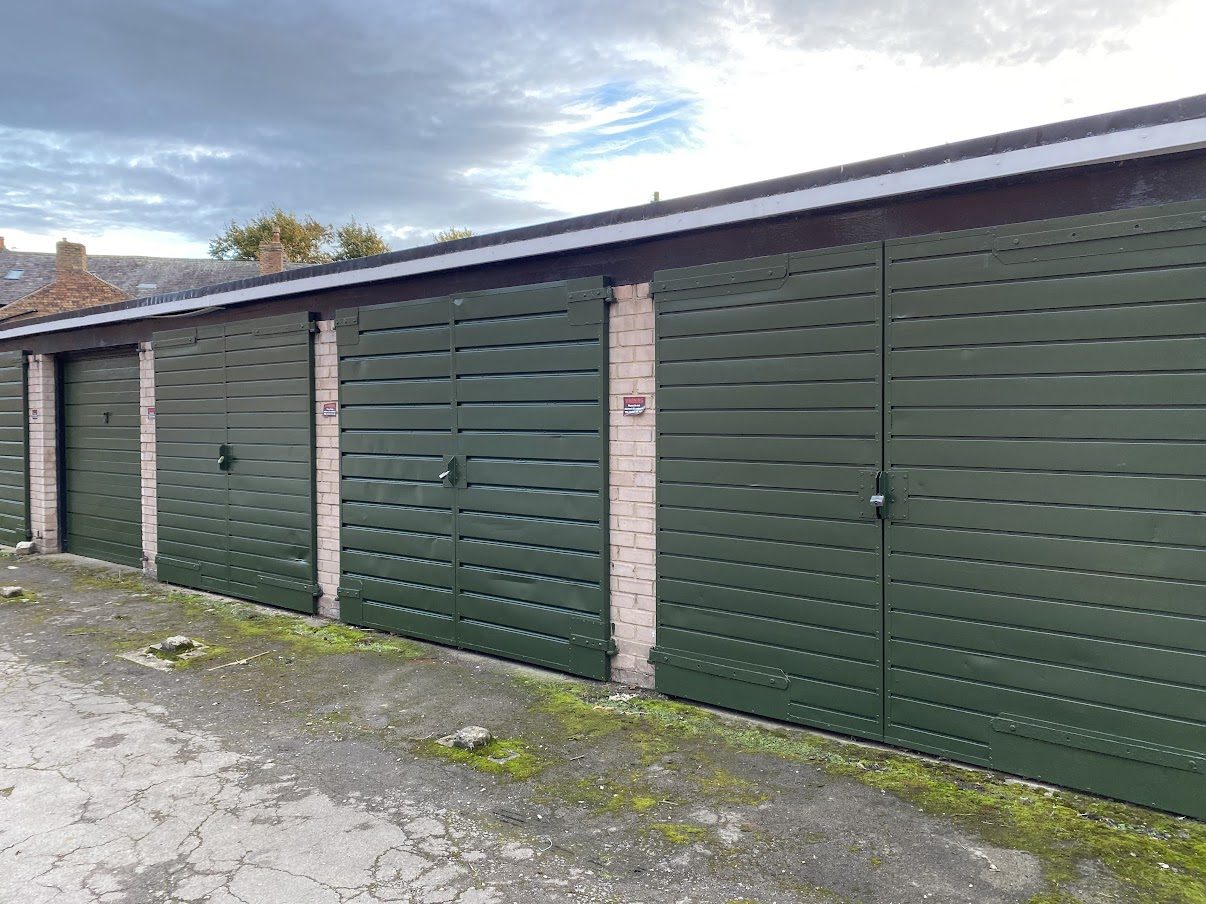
(354, 240)
(306, 240)
(452, 234)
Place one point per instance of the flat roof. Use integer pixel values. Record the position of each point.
(1165, 128)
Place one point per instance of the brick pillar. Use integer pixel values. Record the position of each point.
(632, 519)
(150, 499)
(43, 454)
(326, 464)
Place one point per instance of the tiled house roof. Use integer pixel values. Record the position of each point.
(28, 284)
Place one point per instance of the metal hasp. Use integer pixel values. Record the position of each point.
(474, 505)
(102, 457)
(14, 450)
(235, 450)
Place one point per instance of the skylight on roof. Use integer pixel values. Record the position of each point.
(13, 274)
(146, 285)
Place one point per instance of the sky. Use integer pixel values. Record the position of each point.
(144, 127)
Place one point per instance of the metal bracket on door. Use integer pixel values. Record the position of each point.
(888, 498)
(454, 471)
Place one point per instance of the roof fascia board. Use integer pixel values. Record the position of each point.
(1167, 138)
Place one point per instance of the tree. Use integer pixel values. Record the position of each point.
(306, 241)
(354, 240)
(453, 233)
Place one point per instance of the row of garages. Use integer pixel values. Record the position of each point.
(945, 492)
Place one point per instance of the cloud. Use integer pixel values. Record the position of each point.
(150, 116)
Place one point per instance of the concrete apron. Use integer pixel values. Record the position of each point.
(295, 762)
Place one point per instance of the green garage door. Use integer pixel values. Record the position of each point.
(102, 470)
(1047, 555)
(235, 453)
(14, 467)
(473, 435)
(769, 559)
(1044, 485)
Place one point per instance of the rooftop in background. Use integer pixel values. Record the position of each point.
(135, 276)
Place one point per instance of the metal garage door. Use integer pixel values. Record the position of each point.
(102, 471)
(235, 452)
(14, 467)
(1047, 434)
(769, 558)
(1044, 533)
(473, 434)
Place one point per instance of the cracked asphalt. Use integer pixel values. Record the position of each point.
(302, 777)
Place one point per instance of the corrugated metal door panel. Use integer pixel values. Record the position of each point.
(1046, 532)
(190, 428)
(269, 387)
(14, 457)
(234, 406)
(102, 458)
(396, 434)
(473, 485)
(530, 391)
(769, 551)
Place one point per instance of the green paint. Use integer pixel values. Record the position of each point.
(502, 756)
(680, 832)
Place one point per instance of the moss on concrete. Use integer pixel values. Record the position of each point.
(302, 635)
(1160, 858)
(502, 756)
(680, 832)
(603, 795)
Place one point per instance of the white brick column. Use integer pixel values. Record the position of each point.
(632, 453)
(43, 454)
(150, 498)
(326, 464)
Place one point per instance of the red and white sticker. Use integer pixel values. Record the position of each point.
(330, 409)
(634, 405)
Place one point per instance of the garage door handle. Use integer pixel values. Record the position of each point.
(225, 459)
(444, 476)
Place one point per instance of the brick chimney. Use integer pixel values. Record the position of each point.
(272, 255)
(70, 256)
(2, 248)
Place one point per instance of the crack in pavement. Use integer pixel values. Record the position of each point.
(84, 826)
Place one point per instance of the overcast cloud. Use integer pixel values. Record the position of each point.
(140, 126)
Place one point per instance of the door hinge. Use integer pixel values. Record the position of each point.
(286, 584)
(722, 279)
(744, 672)
(587, 300)
(605, 645)
(347, 326)
(174, 339)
